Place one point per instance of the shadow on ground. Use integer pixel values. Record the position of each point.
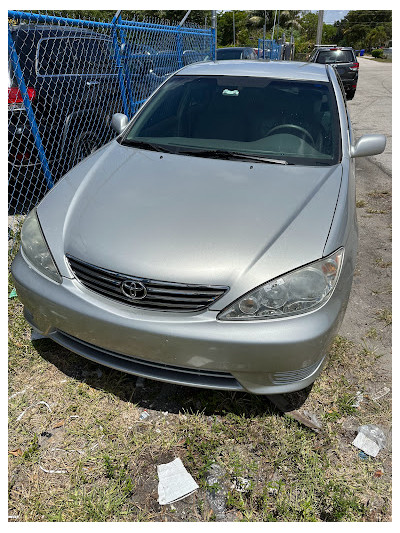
(159, 396)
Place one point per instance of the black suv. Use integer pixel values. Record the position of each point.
(74, 88)
(344, 60)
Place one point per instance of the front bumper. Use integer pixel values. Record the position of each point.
(261, 357)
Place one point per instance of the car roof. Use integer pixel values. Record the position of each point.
(327, 47)
(236, 48)
(290, 70)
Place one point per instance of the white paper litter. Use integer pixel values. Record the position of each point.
(362, 442)
(175, 482)
(381, 394)
(370, 439)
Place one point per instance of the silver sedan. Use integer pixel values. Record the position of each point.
(213, 242)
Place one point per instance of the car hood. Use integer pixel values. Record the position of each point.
(190, 219)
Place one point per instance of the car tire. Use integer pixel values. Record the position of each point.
(350, 94)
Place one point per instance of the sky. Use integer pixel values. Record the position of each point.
(332, 15)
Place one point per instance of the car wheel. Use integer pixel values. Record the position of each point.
(350, 94)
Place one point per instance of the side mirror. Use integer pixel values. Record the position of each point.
(368, 145)
(119, 121)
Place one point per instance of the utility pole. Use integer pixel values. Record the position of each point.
(234, 37)
(182, 22)
(273, 29)
(320, 24)
(265, 29)
(277, 25)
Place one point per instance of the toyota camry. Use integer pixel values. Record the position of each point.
(212, 243)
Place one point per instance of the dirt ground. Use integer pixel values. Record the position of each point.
(370, 306)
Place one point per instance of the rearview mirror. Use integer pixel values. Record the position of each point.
(368, 145)
(119, 121)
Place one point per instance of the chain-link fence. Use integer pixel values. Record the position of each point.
(269, 49)
(67, 77)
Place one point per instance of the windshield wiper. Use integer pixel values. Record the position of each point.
(147, 146)
(226, 154)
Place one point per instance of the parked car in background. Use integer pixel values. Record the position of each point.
(236, 52)
(73, 85)
(66, 70)
(213, 242)
(344, 60)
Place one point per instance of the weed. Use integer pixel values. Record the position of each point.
(345, 403)
(385, 315)
(372, 334)
(32, 452)
(377, 211)
(383, 264)
(360, 203)
(379, 194)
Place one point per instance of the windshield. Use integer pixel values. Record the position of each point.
(335, 56)
(295, 121)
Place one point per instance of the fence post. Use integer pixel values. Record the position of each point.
(29, 111)
(179, 50)
(127, 73)
(119, 68)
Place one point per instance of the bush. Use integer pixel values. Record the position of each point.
(377, 53)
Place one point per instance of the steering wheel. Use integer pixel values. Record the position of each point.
(294, 127)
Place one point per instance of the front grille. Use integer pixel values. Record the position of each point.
(161, 295)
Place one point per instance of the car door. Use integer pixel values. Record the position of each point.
(78, 88)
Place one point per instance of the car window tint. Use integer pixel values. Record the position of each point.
(229, 54)
(75, 55)
(335, 56)
(287, 119)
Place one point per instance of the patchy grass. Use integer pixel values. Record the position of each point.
(381, 59)
(372, 334)
(87, 455)
(385, 315)
(379, 194)
(383, 264)
(360, 203)
(377, 211)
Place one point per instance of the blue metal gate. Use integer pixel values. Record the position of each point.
(269, 49)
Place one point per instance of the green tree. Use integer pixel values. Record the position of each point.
(225, 28)
(376, 37)
(309, 24)
(357, 27)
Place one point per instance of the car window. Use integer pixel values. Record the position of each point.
(229, 54)
(75, 55)
(335, 56)
(292, 120)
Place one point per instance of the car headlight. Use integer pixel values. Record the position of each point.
(297, 292)
(35, 248)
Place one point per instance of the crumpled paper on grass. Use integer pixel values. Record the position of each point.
(175, 482)
(370, 439)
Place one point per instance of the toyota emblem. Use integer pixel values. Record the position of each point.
(135, 290)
